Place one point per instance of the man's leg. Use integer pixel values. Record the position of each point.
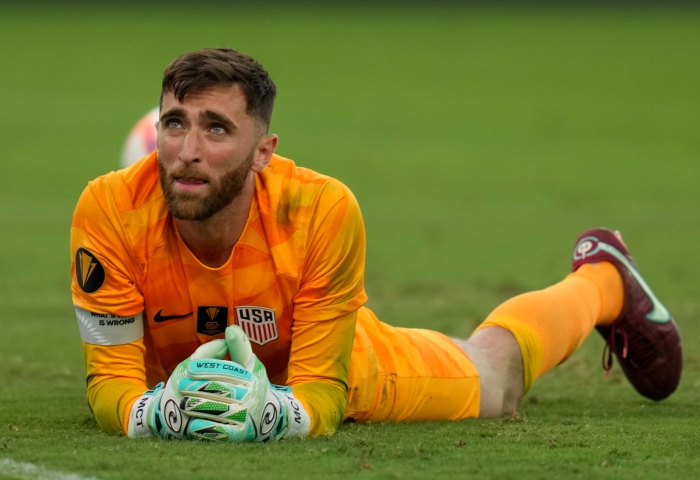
(530, 334)
(605, 291)
(496, 355)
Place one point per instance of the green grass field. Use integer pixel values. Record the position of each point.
(479, 142)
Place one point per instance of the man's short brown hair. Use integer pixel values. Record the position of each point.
(196, 71)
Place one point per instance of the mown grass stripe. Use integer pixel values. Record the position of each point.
(29, 471)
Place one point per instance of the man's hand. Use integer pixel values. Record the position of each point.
(158, 411)
(214, 399)
(235, 401)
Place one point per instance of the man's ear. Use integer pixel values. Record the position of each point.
(263, 152)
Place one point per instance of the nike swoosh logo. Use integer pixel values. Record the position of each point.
(659, 314)
(164, 318)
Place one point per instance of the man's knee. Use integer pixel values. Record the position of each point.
(498, 359)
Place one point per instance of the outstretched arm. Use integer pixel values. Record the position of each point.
(108, 307)
(318, 370)
(116, 377)
(325, 308)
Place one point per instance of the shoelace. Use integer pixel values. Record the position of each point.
(611, 347)
(636, 342)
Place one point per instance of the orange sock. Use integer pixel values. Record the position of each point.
(551, 324)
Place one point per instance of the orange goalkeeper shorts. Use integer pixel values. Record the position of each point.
(405, 374)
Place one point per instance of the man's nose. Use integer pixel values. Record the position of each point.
(190, 151)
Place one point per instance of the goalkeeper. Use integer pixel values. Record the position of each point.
(219, 292)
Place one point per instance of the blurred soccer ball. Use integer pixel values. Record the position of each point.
(142, 139)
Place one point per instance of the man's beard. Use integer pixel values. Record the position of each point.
(222, 191)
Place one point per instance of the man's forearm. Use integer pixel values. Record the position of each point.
(325, 403)
(110, 400)
(115, 378)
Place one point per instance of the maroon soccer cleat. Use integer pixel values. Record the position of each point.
(644, 338)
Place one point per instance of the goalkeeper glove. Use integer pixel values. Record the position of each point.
(158, 412)
(232, 403)
(213, 399)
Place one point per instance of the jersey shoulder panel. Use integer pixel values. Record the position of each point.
(136, 185)
(294, 196)
(138, 202)
(292, 201)
(285, 192)
(127, 189)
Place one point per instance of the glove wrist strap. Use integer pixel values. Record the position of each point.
(299, 420)
(138, 418)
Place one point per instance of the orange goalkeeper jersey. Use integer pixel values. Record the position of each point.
(294, 283)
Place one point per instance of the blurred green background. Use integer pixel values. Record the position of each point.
(479, 139)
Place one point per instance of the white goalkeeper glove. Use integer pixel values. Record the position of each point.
(228, 402)
(221, 400)
(158, 412)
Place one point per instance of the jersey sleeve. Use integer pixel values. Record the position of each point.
(116, 377)
(332, 282)
(318, 369)
(109, 307)
(325, 308)
(104, 269)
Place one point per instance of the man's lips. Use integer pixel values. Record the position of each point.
(189, 183)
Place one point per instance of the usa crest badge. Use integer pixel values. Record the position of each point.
(259, 323)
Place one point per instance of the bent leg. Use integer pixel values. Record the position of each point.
(539, 330)
(406, 374)
(496, 355)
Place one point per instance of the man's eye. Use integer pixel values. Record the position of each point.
(218, 129)
(172, 123)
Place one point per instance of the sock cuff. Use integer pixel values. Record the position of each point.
(608, 282)
(531, 345)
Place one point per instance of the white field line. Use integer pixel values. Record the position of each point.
(29, 471)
